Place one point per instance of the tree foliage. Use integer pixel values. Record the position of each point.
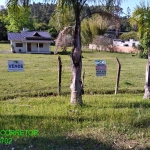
(91, 27)
(3, 23)
(103, 43)
(19, 19)
(141, 17)
(62, 18)
(42, 12)
(129, 35)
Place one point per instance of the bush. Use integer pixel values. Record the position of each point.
(141, 52)
(129, 35)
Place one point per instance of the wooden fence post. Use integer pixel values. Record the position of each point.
(118, 75)
(59, 74)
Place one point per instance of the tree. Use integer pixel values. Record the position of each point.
(62, 18)
(42, 12)
(141, 18)
(76, 56)
(3, 23)
(129, 35)
(91, 27)
(104, 43)
(19, 18)
(41, 26)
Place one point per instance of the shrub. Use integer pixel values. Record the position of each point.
(129, 35)
(141, 52)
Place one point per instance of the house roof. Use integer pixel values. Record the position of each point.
(30, 36)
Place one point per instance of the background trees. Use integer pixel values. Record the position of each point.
(19, 18)
(43, 17)
(42, 12)
(91, 27)
(141, 18)
(61, 18)
(3, 23)
(129, 35)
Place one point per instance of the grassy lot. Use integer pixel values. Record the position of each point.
(103, 122)
(29, 101)
(4, 46)
(40, 75)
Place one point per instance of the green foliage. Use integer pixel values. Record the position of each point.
(3, 30)
(62, 18)
(42, 12)
(141, 17)
(141, 52)
(19, 19)
(143, 48)
(92, 27)
(97, 25)
(52, 31)
(129, 35)
(86, 34)
(41, 26)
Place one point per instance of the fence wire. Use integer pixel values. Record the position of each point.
(41, 78)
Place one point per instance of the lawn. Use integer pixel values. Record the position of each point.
(29, 101)
(4, 46)
(103, 122)
(41, 73)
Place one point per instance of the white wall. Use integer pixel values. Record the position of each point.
(34, 48)
(45, 48)
(23, 49)
(118, 42)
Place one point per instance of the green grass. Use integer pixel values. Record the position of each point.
(29, 101)
(4, 46)
(41, 72)
(103, 122)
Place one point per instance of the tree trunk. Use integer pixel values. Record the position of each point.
(147, 83)
(76, 64)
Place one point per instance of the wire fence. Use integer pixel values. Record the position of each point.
(41, 79)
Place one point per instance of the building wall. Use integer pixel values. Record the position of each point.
(119, 46)
(18, 49)
(34, 48)
(130, 43)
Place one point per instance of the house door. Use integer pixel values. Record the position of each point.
(29, 47)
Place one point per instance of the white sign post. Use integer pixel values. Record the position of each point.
(100, 67)
(15, 65)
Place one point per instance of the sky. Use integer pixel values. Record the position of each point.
(127, 3)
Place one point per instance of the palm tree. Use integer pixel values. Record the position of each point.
(76, 56)
(141, 18)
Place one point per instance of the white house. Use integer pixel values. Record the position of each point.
(30, 41)
(119, 46)
(130, 43)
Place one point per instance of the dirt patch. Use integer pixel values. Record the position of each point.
(5, 51)
(125, 49)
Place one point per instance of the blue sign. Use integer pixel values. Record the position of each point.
(100, 67)
(15, 65)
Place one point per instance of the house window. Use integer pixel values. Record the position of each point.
(40, 45)
(19, 45)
